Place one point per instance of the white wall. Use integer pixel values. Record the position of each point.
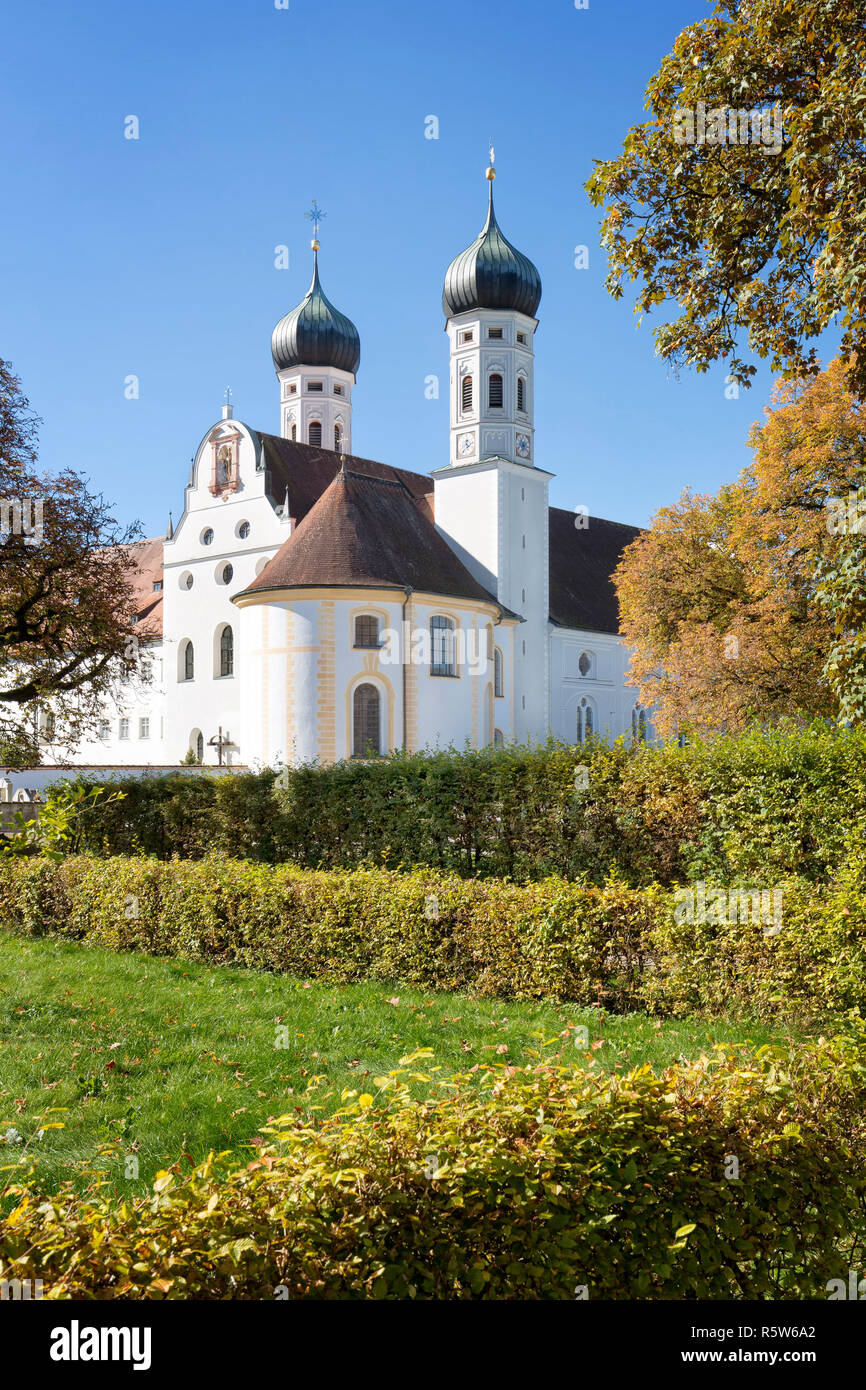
(301, 668)
(604, 685)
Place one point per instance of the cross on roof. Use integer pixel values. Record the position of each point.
(315, 216)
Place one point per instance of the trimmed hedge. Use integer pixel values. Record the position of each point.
(757, 806)
(540, 1183)
(620, 947)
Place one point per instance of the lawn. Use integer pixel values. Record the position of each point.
(163, 1060)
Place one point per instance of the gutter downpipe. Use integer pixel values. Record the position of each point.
(408, 591)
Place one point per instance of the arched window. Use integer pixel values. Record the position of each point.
(498, 682)
(587, 722)
(638, 725)
(188, 662)
(367, 631)
(579, 730)
(494, 391)
(338, 438)
(584, 664)
(227, 652)
(50, 726)
(365, 722)
(316, 432)
(442, 647)
(294, 434)
(196, 743)
(498, 738)
(521, 393)
(466, 393)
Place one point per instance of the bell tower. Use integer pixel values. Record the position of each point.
(491, 500)
(316, 352)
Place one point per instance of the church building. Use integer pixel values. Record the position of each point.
(310, 604)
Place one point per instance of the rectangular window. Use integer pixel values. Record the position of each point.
(338, 390)
(494, 332)
(292, 390)
(104, 729)
(442, 647)
(315, 386)
(468, 336)
(367, 631)
(144, 728)
(521, 337)
(124, 729)
(157, 585)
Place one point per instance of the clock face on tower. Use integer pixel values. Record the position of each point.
(465, 445)
(521, 444)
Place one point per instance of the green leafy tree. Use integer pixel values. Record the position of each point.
(765, 239)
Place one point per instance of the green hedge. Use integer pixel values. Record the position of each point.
(756, 806)
(617, 946)
(533, 1184)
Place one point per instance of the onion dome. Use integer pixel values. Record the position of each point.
(491, 274)
(315, 334)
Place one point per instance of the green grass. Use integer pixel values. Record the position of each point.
(167, 1060)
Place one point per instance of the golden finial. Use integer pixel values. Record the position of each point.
(491, 172)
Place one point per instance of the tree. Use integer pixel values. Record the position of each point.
(721, 599)
(67, 601)
(842, 595)
(744, 196)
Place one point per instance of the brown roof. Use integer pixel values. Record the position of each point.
(375, 528)
(582, 562)
(148, 604)
(369, 532)
(307, 470)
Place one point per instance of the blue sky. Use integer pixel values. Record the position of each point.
(155, 257)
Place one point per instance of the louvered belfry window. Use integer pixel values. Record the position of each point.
(494, 391)
(521, 393)
(466, 393)
(316, 432)
(365, 719)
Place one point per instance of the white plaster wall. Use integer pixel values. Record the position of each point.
(612, 700)
(210, 700)
(282, 643)
(134, 701)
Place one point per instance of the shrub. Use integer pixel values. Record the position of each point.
(617, 946)
(755, 807)
(538, 1183)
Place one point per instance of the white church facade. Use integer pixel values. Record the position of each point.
(310, 604)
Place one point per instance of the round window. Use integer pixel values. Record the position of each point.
(207, 536)
(244, 530)
(186, 580)
(227, 574)
(584, 663)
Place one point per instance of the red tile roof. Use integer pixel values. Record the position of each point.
(148, 603)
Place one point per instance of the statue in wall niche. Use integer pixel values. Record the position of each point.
(224, 465)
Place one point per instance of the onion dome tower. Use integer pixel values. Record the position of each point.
(316, 352)
(490, 298)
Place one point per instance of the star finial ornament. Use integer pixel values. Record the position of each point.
(315, 216)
